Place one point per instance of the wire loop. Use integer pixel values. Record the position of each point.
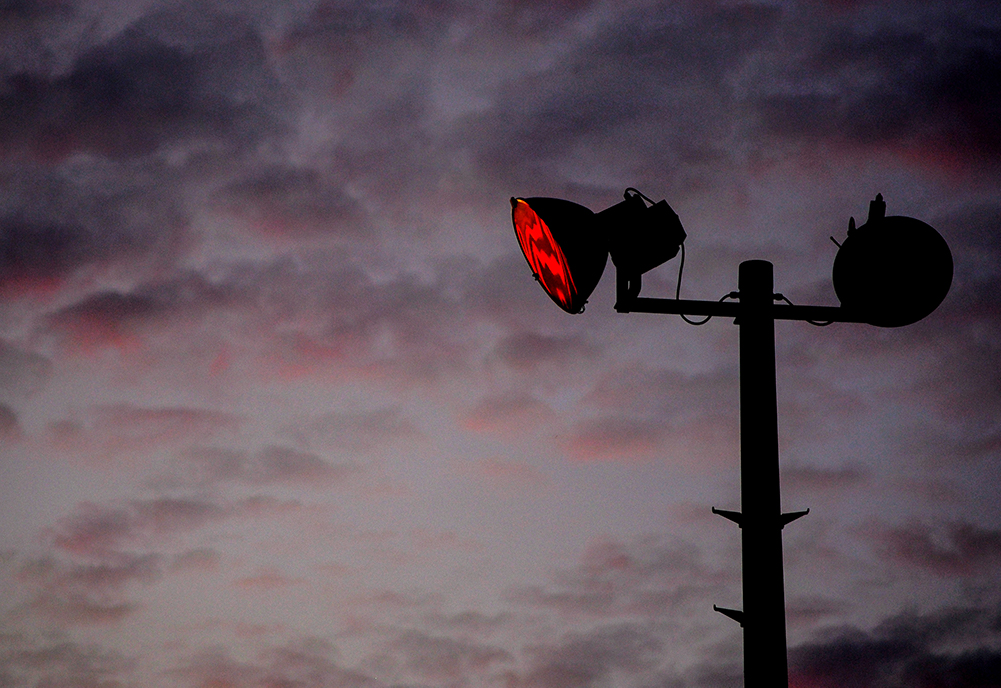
(677, 293)
(815, 323)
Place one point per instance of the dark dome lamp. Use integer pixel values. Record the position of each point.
(892, 271)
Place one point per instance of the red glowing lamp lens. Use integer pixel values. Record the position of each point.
(563, 248)
(544, 255)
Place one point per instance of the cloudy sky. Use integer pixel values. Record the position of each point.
(281, 405)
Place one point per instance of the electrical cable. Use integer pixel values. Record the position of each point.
(815, 323)
(638, 193)
(677, 294)
(681, 268)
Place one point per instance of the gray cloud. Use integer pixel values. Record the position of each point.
(667, 395)
(284, 201)
(306, 314)
(616, 437)
(200, 559)
(125, 430)
(811, 610)
(818, 479)
(93, 577)
(469, 623)
(591, 659)
(645, 411)
(105, 551)
(503, 291)
(12, 10)
(528, 349)
(10, 427)
(361, 431)
(443, 659)
(651, 72)
(22, 372)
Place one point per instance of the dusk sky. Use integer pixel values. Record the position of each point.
(282, 406)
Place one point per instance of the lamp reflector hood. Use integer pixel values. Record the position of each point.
(562, 248)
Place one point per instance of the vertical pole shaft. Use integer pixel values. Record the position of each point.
(761, 529)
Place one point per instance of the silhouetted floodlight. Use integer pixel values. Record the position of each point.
(567, 245)
(893, 271)
(889, 272)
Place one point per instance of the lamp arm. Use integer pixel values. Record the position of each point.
(732, 310)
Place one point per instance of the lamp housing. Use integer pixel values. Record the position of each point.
(641, 237)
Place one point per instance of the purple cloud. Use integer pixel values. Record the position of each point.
(949, 647)
(62, 662)
(648, 578)
(308, 662)
(203, 467)
(128, 97)
(101, 531)
(956, 549)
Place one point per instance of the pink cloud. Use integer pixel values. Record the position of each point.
(266, 580)
(79, 610)
(507, 413)
(265, 505)
(615, 438)
(110, 432)
(443, 540)
(196, 560)
(300, 356)
(258, 630)
(506, 474)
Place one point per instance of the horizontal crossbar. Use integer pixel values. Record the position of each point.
(725, 309)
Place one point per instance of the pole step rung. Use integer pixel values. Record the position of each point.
(786, 519)
(734, 516)
(734, 614)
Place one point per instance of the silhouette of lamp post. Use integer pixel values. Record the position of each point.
(889, 272)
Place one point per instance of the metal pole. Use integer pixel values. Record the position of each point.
(761, 515)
